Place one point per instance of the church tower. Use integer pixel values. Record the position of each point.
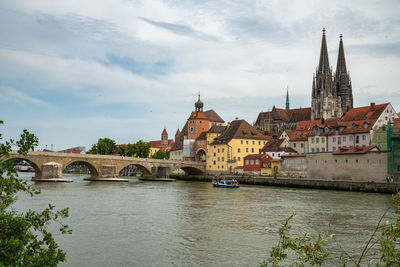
(325, 102)
(342, 80)
(287, 107)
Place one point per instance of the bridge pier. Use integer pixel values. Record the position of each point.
(107, 173)
(51, 172)
(160, 172)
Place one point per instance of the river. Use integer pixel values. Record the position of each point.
(186, 223)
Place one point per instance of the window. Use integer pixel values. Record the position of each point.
(334, 148)
(247, 149)
(215, 154)
(273, 154)
(247, 162)
(323, 150)
(241, 141)
(312, 150)
(222, 159)
(254, 142)
(351, 138)
(251, 162)
(347, 161)
(218, 150)
(218, 166)
(252, 149)
(279, 155)
(223, 150)
(238, 158)
(222, 166)
(312, 140)
(257, 162)
(339, 140)
(322, 139)
(191, 129)
(218, 159)
(259, 142)
(344, 138)
(357, 139)
(294, 144)
(364, 137)
(234, 158)
(238, 150)
(334, 139)
(317, 140)
(335, 160)
(379, 137)
(214, 162)
(301, 145)
(356, 160)
(247, 142)
(317, 149)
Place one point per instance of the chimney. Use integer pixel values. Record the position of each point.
(372, 106)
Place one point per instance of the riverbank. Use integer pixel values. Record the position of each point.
(344, 185)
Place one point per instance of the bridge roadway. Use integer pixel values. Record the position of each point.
(49, 165)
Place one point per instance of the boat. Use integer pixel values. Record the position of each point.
(226, 183)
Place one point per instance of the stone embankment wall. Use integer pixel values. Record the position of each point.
(358, 186)
(326, 166)
(353, 167)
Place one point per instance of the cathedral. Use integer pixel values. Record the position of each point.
(331, 96)
(331, 93)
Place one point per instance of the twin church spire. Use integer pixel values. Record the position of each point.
(331, 94)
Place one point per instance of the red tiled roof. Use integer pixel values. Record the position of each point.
(256, 156)
(198, 115)
(355, 150)
(177, 132)
(396, 126)
(164, 132)
(361, 126)
(364, 113)
(291, 115)
(157, 143)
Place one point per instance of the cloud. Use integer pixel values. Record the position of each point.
(180, 29)
(11, 95)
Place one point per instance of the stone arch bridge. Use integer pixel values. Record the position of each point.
(49, 165)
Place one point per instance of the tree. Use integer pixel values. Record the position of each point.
(24, 237)
(161, 155)
(104, 146)
(142, 149)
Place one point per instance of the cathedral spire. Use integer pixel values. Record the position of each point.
(287, 99)
(323, 57)
(341, 61)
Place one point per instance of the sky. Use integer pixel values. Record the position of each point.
(72, 72)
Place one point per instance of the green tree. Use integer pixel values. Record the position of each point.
(24, 237)
(161, 155)
(104, 146)
(142, 149)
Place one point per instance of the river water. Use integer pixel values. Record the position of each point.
(186, 223)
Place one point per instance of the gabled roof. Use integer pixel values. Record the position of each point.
(178, 145)
(361, 126)
(257, 156)
(177, 132)
(291, 115)
(364, 113)
(356, 150)
(213, 116)
(157, 143)
(238, 129)
(164, 132)
(217, 129)
(199, 115)
(274, 145)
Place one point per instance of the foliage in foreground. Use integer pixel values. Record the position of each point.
(139, 149)
(313, 252)
(24, 237)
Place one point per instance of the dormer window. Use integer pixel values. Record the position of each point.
(366, 125)
(354, 126)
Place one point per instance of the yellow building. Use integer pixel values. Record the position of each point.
(271, 167)
(237, 141)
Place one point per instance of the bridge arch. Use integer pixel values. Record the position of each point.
(142, 168)
(38, 170)
(189, 170)
(92, 169)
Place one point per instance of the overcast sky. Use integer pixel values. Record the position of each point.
(74, 71)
